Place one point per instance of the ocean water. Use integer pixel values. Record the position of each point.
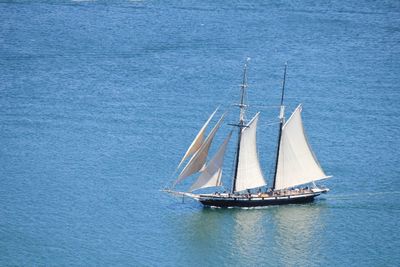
(99, 100)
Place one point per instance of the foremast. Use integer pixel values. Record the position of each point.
(241, 123)
(281, 123)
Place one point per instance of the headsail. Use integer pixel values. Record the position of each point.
(198, 140)
(211, 175)
(297, 163)
(200, 156)
(249, 173)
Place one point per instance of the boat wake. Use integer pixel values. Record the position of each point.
(349, 196)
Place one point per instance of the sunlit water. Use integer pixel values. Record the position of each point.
(98, 102)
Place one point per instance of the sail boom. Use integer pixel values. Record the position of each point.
(314, 180)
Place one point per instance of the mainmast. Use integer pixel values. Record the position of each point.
(282, 121)
(240, 125)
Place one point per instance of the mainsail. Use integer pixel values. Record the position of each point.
(198, 140)
(249, 174)
(196, 163)
(211, 175)
(297, 163)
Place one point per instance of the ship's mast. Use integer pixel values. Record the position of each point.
(241, 124)
(282, 121)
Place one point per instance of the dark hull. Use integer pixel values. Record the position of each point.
(232, 202)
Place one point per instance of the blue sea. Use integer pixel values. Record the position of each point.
(99, 101)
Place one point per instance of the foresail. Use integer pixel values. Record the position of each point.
(211, 175)
(198, 140)
(297, 163)
(249, 174)
(199, 158)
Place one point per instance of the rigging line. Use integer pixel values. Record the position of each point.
(263, 106)
(272, 123)
(170, 180)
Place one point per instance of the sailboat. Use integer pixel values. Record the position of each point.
(296, 168)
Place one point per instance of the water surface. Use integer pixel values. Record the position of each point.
(99, 100)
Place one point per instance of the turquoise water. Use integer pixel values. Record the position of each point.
(99, 100)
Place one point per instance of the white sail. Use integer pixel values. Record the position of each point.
(297, 163)
(211, 175)
(198, 140)
(199, 158)
(249, 174)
